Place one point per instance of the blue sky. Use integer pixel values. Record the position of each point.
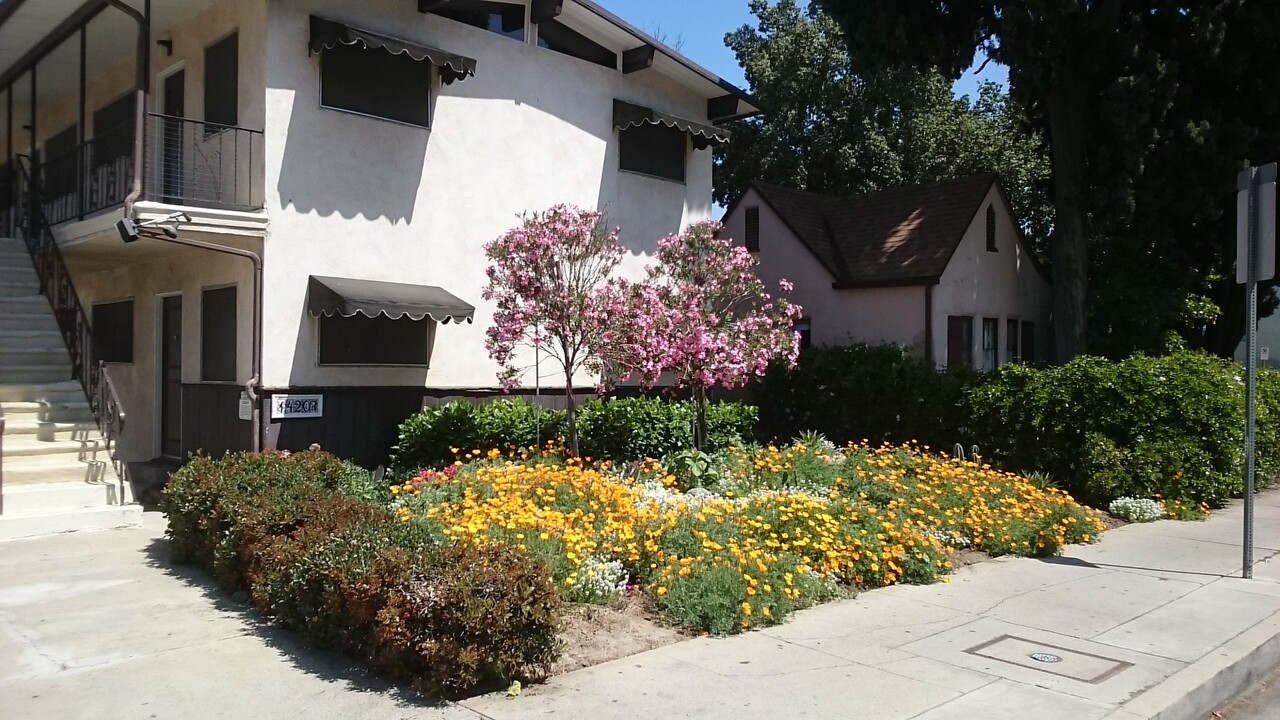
(702, 25)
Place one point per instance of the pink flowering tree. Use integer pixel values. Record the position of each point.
(703, 318)
(550, 278)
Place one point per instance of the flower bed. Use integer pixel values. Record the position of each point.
(763, 532)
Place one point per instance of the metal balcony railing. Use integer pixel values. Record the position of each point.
(187, 162)
(193, 162)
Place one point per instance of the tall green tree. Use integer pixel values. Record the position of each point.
(833, 129)
(1099, 77)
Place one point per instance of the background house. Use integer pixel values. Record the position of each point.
(940, 268)
(364, 151)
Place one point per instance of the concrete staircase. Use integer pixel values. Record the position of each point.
(57, 476)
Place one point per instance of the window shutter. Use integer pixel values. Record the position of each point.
(991, 228)
(753, 229)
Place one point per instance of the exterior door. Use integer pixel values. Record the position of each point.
(171, 376)
(172, 131)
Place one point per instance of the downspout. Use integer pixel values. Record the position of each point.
(142, 64)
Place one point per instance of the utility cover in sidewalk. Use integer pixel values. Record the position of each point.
(1051, 659)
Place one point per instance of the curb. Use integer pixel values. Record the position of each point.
(1213, 680)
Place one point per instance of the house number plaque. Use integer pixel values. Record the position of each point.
(292, 407)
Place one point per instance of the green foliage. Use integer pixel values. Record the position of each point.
(432, 437)
(350, 575)
(1141, 427)
(695, 469)
(1267, 434)
(613, 428)
(878, 393)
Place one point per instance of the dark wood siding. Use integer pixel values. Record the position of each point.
(210, 420)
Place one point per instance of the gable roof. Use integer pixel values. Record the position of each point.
(898, 236)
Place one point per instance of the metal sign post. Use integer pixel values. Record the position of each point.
(1255, 261)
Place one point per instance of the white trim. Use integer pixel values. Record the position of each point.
(203, 219)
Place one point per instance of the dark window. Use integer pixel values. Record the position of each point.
(113, 331)
(60, 162)
(113, 130)
(218, 334)
(805, 328)
(753, 229)
(959, 341)
(990, 343)
(1012, 354)
(653, 149)
(1028, 341)
(360, 340)
(222, 83)
(496, 17)
(991, 228)
(555, 35)
(377, 83)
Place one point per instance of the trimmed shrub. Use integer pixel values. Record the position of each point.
(429, 438)
(1267, 427)
(1141, 427)
(355, 577)
(875, 393)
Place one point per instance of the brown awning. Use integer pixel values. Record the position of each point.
(328, 33)
(330, 296)
(627, 115)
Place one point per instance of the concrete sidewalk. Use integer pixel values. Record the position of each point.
(1148, 623)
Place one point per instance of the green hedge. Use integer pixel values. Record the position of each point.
(874, 393)
(349, 575)
(1143, 426)
(616, 428)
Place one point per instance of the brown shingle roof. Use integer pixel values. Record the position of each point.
(899, 236)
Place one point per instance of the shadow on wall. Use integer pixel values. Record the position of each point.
(324, 171)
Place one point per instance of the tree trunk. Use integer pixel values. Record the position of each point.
(700, 417)
(571, 413)
(1066, 106)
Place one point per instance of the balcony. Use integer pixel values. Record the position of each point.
(186, 162)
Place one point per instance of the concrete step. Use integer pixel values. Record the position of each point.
(47, 431)
(86, 446)
(62, 392)
(42, 321)
(57, 496)
(76, 411)
(14, 268)
(35, 374)
(45, 337)
(22, 525)
(35, 352)
(61, 468)
(19, 288)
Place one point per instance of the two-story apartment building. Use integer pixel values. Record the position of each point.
(363, 152)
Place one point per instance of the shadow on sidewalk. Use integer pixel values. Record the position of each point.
(1077, 562)
(325, 664)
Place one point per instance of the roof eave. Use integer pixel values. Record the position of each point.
(899, 282)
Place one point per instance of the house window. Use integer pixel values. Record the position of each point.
(960, 341)
(1012, 354)
(990, 343)
(505, 19)
(360, 340)
(376, 83)
(222, 83)
(113, 131)
(991, 228)
(1028, 341)
(60, 163)
(555, 35)
(113, 331)
(653, 149)
(753, 229)
(218, 334)
(804, 328)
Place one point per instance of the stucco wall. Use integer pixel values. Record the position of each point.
(149, 270)
(360, 197)
(1004, 284)
(893, 315)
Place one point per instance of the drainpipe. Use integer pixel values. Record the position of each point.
(140, 106)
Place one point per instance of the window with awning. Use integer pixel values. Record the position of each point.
(329, 34)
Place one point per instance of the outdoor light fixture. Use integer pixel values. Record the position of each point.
(131, 229)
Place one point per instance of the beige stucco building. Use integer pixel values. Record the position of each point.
(365, 152)
(941, 269)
